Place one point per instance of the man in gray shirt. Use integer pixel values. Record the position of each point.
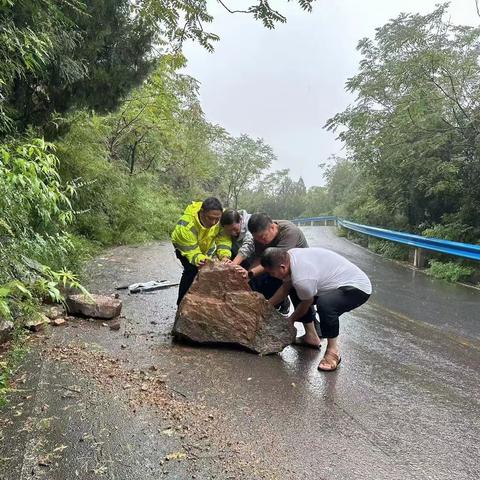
(269, 233)
(272, 233)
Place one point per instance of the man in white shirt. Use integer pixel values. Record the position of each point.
(323, 277)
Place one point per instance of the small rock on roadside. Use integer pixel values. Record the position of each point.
(6, 330)
(115, 325)
(44, 461)
(53, 311)
(58, 321)
(96, 306)
(37, 323)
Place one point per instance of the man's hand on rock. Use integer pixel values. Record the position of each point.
(225, 260)
(241, 271)
(202, 263)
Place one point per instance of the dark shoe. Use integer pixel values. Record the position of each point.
(302, 343)
(284, 307)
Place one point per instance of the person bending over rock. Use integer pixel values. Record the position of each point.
(273, 233)
(235, 224)
(318, 275)
(198, 237)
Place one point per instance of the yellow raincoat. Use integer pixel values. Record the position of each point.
(197, 243)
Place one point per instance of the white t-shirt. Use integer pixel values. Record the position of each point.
(315, 270)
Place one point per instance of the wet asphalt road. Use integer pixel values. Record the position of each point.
(404, 403)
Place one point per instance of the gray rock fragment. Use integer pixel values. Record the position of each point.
(95, 306)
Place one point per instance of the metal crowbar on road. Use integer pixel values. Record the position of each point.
(148, 286)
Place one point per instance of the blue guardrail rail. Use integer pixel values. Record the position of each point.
(458, 249)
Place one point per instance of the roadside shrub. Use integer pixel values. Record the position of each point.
(36, 250)
(392, 250)
(455, 231)
(450, 271)
(36, 211)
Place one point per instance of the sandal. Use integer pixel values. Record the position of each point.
(331, 359)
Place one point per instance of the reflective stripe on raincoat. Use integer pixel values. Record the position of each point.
(197, 243)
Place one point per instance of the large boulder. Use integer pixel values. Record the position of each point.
(220, 307)
(95, 306)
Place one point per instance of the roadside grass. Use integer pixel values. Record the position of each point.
(11, 355)
(388, 249)
(450, 271)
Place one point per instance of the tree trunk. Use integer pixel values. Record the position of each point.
(132, 157)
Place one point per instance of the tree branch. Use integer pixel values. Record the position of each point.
(231, 11)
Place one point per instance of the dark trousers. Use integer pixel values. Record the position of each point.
(331, 304)
(268, 285)
(188, 276)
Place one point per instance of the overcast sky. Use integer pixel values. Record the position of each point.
(283, 84)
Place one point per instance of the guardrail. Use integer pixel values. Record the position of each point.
(312, 220)
(419, 243)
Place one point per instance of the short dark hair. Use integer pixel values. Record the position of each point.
(259, 222)
(211, 203)
(273, 257)
(229, 217)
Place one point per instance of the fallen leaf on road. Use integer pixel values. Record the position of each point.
(61, 448)
(176, 456)
(100, 470)
(44, 461)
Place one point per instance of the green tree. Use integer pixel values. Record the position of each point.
(136, 166)
(317, 202)
(185, 19)
(97, 53)
(276, 194)
(412, 132)
(29, 34)
(242, 161)
(60, 55)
